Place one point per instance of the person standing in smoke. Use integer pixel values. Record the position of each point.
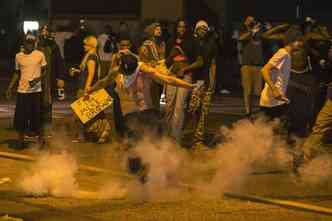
(176, 98)
(30, 67)
(318, 40)
(53, 80)
(202, 58)
(276, 73)
(302, 86)
(115, 88)
(153, 52)
(314, 144)
(98, 129)
(252, 62)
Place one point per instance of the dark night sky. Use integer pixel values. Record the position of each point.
(281, 9)
(115, 7)
(270, 9)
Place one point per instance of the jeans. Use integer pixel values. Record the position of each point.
(313, 144)
(176, 104)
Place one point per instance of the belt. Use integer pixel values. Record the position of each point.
(300, 72)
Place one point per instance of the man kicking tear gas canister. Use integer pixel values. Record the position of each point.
(136, 77)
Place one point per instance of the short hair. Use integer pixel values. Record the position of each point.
(149, 30)
(248, 20)
(293, 34)
(128, 64)
(30, 40)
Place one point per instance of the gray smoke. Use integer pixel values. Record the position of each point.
(51, 175)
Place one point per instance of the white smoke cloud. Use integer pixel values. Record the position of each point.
(317, 171)
(223, 169)
(172, 171)
(51, 175)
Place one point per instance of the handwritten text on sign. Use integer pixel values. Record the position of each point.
(87, 109)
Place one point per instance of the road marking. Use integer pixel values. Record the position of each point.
(282, 203)
(85, 168)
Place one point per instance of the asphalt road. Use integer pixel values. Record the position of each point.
(265, 179)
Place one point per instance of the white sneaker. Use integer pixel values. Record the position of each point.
(224, 91)
(163, 99)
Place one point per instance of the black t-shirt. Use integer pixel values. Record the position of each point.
(252, 50)
(207, 48)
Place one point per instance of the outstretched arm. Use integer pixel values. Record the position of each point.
(157, 74)
(276, 33)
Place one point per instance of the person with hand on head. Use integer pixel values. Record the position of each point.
(252, 62)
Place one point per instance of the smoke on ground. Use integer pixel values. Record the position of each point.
(171, 173)
(317, 171)
(51, 175)
(247, 145)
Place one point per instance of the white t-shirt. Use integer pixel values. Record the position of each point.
(281, 61)
(139, 88)
(101, 42)
(30, 67)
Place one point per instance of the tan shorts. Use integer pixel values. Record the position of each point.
(252, 80)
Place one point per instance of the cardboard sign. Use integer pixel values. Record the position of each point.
(87, 109)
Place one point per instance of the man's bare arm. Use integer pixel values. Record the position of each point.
(276, 33)
(155, 73)
(91, 73)
(14, 79)
(266, 72)
(267, 76)
(12, 84)
(245, 36)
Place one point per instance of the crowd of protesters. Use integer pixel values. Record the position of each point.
(285, 69)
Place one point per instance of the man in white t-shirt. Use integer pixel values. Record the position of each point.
(30, 65)
(276, 74)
